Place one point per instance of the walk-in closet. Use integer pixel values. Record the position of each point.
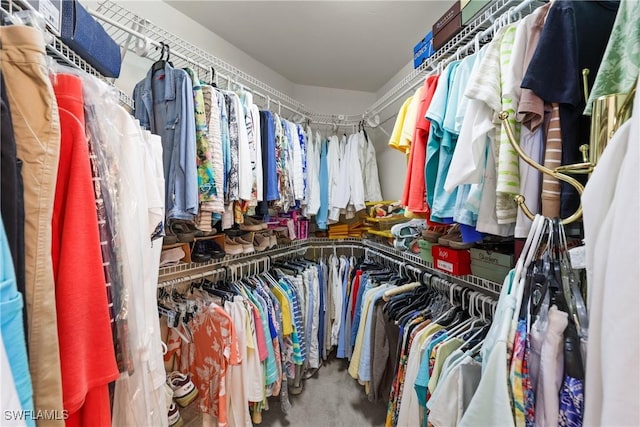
(319, 213)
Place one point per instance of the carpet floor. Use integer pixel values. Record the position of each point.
(331, 398)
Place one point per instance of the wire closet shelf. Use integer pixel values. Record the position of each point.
(62, 53)
(186, 272)
(136, 34)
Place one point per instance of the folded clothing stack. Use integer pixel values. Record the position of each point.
(338, 231)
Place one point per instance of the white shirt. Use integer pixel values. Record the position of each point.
(298, 177)
(612, 232)
(341, 193)
(238, 381)
(255, 113)
(371, 178)
(333, 165)
(245, 172)
(354, 166)
(313, 174)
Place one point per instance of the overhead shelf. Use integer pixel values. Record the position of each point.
(137, 34)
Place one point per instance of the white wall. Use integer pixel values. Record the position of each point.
(165, 16)
(333, 101)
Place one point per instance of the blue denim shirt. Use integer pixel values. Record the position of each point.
(164, 105)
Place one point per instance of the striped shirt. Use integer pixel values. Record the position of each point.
(507, 160)
(552, 159)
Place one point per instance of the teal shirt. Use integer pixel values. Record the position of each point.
(437, 135)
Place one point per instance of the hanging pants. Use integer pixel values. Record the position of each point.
(37, 133)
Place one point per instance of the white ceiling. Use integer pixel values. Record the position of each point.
(357, 45)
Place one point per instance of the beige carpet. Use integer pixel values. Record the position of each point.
(330, 399)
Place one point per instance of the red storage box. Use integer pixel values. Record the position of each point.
(452, 261)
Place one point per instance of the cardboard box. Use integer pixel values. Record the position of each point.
(452, 261)
(490, 265)
(447, 26)
(423, 50)
(425, 250)
(471, 9)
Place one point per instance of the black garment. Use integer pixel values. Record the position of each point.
(389, 374)
(12, 193)
(263, 206)
(573, 38)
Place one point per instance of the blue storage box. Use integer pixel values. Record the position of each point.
(82, 33)
(423, 50)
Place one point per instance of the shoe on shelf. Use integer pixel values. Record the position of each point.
(231, 247)
(199, 253)
(434, 232)
(247, 245)
(213, 248)
(411, 228)
(402, 244)
(169, 237)
(261, 242)
(184, 391)
(175, 419)
(271, 237)
(453, 239)
(414, 247)
(185, 233)
(251, 224)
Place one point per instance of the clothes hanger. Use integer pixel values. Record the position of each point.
(213, 78)
(160, 63)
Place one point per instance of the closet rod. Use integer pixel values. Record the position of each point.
(191, 277)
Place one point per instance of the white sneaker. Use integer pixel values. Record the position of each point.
(411, 228)
(184, 391)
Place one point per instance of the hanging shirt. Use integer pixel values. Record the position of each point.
(611, 202)
(79, 279)
(415, 196)
(439, 137)
(214, 140)
(370, 177)
(574, 37)
(269, 162)
(164, 105)
(396, 141)
(474, 162)
(212, 329)
(312, 190)
(257, 136)
(621, 61)
(508, 183)
(324, 184)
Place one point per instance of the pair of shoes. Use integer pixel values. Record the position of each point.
(185, 231)
(453, 239)
(408, 229)
(184, 391)
(434, 232)
(239, 245)
(169, 237)
(251, 224)
(178, 389)
(265, 240)
(205, 250)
